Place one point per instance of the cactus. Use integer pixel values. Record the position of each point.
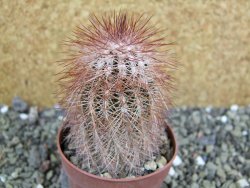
(114, 92)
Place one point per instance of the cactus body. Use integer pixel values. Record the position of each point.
(112, 91)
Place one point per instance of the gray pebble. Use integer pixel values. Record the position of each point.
(242, 183)
(106, 175)
(19, 105)
(49, 113)
(220, 172)
(196, 117)
(195, 185)
(34, 157)
(33, 114)
(150, 165)
(160, 161)
(49, 175)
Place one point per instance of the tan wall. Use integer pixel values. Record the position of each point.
(213, 44)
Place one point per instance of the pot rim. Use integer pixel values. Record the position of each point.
(169, 164)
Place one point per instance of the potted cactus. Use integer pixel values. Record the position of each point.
(115, 94)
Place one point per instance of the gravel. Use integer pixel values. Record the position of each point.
(19, 105)
(150, 165)
(214, 147)
(177, 161)
(28, 155)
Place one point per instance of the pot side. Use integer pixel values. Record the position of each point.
(78, 178)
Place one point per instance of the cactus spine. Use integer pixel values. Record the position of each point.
(112, 91)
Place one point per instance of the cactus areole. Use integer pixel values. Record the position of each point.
(115, 91)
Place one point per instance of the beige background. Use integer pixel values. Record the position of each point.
(213, 44)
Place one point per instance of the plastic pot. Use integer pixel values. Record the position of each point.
(81, 179)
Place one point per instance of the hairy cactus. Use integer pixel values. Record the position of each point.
(114, 93)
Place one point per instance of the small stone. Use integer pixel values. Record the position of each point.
(211, 166)
(227, 168)
(26, 175)
(243, 183)
(3, 178)
(49, 175)
(220, 172)
(194, 185)
(26, 183)
(246, 170)
(19, 105)
(217, 183)
(167, 179)
(232, 185)
(211, 170)
(164, 139)
(232, 115)
(150, 165)
(23, 116)
(208, 109)
(241, 159)
(209, 148)
(174, 184)
(49, 113)
(39, 186)
(184, 141)
(183, 132)
(15, 140)
(34, 157)
(53, 158)
(206, 183)
(177, 161)
(74, 160)
(161, 161)
(60, 118)
(195, 177)
(207, 131)
(237, 132)
(224, 157)
(57, 106)
(33, 114)
(45, 166)
(224, 119)
(171, 172)
(9, 185)
(163, 151)
(130, 176)
(229, 127)
(234, 107)
(244, 133)
(142, 169)
(43, 150)
(106, 175)
(38, 176)
(207, 140)
(54, 180)
(14, 174)
(234, 173)
(200, 161)
(196, 116)
(4, 109)
(12, 159)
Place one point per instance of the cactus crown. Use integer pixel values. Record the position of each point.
(112, 91)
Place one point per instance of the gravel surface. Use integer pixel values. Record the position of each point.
(214, 147)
